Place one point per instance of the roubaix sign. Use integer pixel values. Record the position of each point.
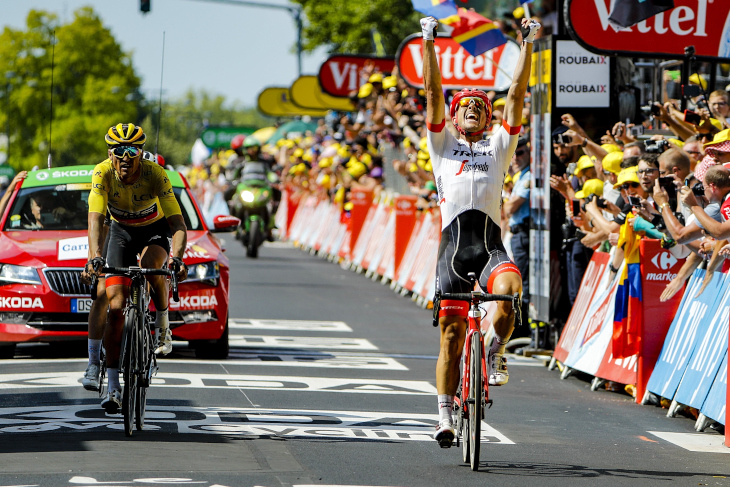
(340, 74)
(704, 24)
(489, 71)
(582, 78)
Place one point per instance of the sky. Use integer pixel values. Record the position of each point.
(232, 50)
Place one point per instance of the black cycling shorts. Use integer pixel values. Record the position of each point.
(471, 243)
(125, 242)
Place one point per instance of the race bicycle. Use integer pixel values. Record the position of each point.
(472, 396)
(137, 359)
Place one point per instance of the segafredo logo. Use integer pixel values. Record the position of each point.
(664, 260)
(21, 303)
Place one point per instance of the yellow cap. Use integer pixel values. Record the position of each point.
(349, 206)
(298, 152)
(423, 144)
(677, 142)
(390, 82)
(376, 78)
(340, 195)
(627, 175)
(353, 160)
(366, 159)
(719, 138)
(612, 162)
(343, 152)
(423, 155)
(610, 148)
(324, 181)
(413, 167)
(583, 163)
(698, 80)
(716, 123)
(428, 167)
(507, 179)
(365, 90)
(357, 170)
(407, 142)
(592, 186)
(325, 162)
(518, 13)
(500, 102)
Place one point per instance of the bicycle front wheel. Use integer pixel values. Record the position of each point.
(476, 392)
(131, 367)
(145, 344)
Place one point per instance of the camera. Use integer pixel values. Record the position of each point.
(635, 201)
(656, 146)
(691, 90)
(698, 189)
(562, 139)
(692, 117)
(600, 202)
(667, 182)
(637, 130)
(651, 109)
(702, 103)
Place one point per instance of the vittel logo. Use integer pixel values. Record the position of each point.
(664, 260)
(456, 64)
(682, 20)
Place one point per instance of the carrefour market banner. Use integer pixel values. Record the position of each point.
(704, 24)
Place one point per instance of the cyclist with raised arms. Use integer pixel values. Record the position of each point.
(146, 221)
(469, 174)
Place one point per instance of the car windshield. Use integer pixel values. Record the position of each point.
(66, 207)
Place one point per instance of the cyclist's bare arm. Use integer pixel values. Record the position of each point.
(516, 96)
(96, 234)
(435, 111)
(179, 238)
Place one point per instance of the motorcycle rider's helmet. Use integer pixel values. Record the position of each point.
(251, 142)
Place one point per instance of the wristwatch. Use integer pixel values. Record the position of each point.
(585, 142)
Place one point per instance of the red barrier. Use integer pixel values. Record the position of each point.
(658, 267)
(405, 221)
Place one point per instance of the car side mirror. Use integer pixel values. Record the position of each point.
(225, 223)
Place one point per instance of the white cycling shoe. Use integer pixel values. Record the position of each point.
(498, 374)
(113, 401)
(444, 434)
(91, 377)
(165, 343)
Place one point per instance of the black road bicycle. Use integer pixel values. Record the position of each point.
(137, 360)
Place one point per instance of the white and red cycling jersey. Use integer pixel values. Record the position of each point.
(470, 177)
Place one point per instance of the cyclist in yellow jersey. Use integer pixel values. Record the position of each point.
(146, 221)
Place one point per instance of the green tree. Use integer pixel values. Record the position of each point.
(347, 26)
(183, 119)
(93, 86)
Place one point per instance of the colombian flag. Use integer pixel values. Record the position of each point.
(435, 8)
(475, 33)
(628, 313)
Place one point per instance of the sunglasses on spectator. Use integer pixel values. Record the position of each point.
(630, 185)
(520, 152)
(694, 152)
(464, 102)
(648, 170)
(122, 151)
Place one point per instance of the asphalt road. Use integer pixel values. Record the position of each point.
(330, 382)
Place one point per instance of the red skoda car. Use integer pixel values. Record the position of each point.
(44, 246)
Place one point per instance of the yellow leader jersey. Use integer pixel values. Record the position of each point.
(145, 201)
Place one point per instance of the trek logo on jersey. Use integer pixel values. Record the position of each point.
(465, 167)
(478, 151)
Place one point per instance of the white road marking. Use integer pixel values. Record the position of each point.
(253, 422)
(158, 480)
(292, 325)
(300, 342)
(226, 381)
(699, 442)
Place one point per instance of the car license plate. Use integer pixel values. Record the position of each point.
(80, 305)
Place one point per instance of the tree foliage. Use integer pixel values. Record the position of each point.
(94, 87)
(346, 27)
(183, 120)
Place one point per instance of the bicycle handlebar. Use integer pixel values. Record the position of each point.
(476, 295)
(131, 271)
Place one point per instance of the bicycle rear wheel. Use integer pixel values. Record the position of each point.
(131, 366)
(476, 392)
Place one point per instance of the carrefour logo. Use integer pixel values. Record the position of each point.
(664, 260)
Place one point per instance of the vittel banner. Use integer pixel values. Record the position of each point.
(582, 78)
(489, 71)
(704, 24)
(340, 74)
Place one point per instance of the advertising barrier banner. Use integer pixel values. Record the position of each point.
(681, 337)
(340, 73)
(707, 355)
(715, 405)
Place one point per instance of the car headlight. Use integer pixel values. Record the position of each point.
(19, 274)
(207, 272)
(247, 196)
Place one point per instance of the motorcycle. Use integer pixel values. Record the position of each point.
(253, 200)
